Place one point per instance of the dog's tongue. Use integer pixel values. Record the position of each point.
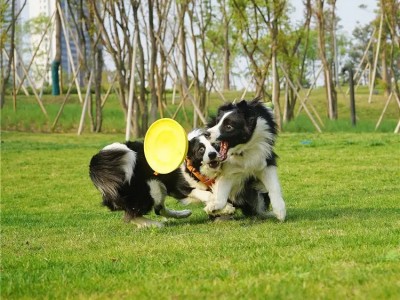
(223, 151)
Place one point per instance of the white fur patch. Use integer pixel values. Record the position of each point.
(209, 149)
(194, 134)
(215, 131)
(158, 191)
(116, 146)
(128, 160)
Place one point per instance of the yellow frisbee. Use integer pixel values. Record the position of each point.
(165, 145)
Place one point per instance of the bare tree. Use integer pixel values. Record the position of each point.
(182, 7)
(226, 21)
(251, 31)
(391, 11)
(331, 94)
(141, 114)
(294, 48)
(8, 45)
(113, 23)
(153, 61)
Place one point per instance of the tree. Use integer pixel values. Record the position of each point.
(391, 12)
(296, 50)
(8, 45)
(113, 25)
(226, 22)
(331, 95)
(255, 44)
(140, 114)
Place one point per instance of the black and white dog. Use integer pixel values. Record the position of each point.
(246, 132)
(127, 182)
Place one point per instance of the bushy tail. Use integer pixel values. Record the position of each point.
(110, 169)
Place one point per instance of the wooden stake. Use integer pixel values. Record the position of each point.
(85, 104)
(64, 102)
(301, 101)
(371, 89)
(16, 54)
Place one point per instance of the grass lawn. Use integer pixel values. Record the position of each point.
(28, 117)
(340, 241)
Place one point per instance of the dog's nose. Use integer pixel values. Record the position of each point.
(212, 155)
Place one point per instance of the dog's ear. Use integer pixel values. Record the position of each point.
(191, 146)
(224, 108)
(212, 121)
(242, 105)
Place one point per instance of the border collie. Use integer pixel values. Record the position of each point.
(246, 132)
(127, 182)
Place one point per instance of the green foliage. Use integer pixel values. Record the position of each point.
(340, 240)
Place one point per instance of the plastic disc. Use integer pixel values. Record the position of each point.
(165, 145)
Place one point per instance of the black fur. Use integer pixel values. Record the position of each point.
(133, 196)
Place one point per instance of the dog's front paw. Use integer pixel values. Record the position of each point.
(209, 208)
(280, 212)
(228, 209)
(212, 207)
(278, 207)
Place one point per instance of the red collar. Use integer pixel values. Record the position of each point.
(207, 181)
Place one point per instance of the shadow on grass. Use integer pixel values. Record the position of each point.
(300, 214)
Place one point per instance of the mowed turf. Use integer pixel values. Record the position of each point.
(340, 241)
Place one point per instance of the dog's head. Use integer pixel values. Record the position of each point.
(201, 151)
(233, 125)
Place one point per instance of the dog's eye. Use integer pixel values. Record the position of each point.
(201, 150)
(228, 127)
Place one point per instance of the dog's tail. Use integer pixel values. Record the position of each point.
(110, 169)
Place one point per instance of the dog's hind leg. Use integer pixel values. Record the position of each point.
(176, 214)
(142, 222)
(158, 192)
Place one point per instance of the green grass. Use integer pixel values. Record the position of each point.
(340, 240)
(29, 117)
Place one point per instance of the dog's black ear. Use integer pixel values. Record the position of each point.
(212, 121)
(191, 146)
(242, 104)
(224, 108)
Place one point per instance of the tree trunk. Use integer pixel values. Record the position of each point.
(227, 51)
(384, 68)
(142, 117)
(182, 8)
(11, 57)
(329, 84)
(153, 60)
(98, 67)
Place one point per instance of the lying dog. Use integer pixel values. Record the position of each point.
(246, 132)
(126, 181)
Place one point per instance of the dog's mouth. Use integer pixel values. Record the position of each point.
(223, 150)
(213, 164)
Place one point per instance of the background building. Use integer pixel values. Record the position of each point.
(37, 19)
